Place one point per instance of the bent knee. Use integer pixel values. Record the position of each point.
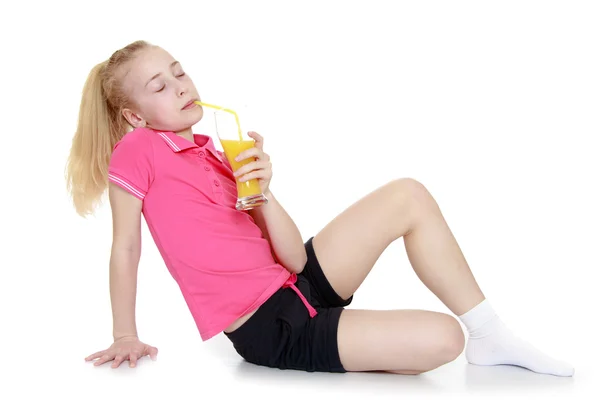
(451, 340)
(409, 185)
(409, 191)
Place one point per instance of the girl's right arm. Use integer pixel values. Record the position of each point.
(124, 260)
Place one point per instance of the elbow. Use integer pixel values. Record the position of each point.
(297, 266)
(126, 244)
(293, 260)
(303, 261)
(300, 269)
(126, 252)
(295, 269)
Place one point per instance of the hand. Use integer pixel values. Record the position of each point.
(260, 168)
(127, 348)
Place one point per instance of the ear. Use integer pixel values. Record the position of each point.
(134, 119)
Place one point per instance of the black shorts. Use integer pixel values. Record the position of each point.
(281, 334)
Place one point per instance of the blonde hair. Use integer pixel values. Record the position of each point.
(100, 126)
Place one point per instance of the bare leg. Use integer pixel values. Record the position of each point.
(399, 341)
(349, 246)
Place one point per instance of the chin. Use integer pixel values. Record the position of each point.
(194, 121)
(195, 117)
(200, 114)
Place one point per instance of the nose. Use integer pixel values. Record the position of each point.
(181, 88)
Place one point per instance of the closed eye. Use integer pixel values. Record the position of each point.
(163, 86)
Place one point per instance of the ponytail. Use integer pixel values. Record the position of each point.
(100, 126)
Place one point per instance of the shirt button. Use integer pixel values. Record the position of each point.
(216, 182)
(201, 154)
(206, 168)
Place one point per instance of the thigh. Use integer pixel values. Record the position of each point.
(348, 247)
(398, 340)
(322, 294)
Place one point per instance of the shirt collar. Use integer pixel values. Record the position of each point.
(178, 143)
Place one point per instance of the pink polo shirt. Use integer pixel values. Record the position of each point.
(216, 254)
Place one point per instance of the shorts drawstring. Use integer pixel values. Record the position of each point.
(290, 283)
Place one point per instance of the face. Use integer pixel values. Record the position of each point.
(160, 93)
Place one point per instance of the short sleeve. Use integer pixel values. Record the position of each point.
(131, 164)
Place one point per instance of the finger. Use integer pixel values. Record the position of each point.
(153, 353)
(246, 168)
(256, 135)
(257, 138)
(252, 152)
(251, 166)
(95, 355)
(132, 359)
(262, 156)
(118, 361)
(260, 174)
(105, 358)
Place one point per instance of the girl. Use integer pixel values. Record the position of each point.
(248, 273)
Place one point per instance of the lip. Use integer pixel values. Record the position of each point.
(189, 104)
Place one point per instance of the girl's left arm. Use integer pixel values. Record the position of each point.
(281, 231)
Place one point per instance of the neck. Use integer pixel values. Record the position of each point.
(186, 134)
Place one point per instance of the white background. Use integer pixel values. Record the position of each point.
(494, 106)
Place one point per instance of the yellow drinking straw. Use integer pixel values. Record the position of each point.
(237, 121)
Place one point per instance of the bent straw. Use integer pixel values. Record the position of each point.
(237, 121)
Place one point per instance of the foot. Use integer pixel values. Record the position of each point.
(494, 344)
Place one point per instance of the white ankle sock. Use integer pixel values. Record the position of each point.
(492, 343)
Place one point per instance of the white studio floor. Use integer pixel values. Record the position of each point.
(183, 372)
(45, 347)
(44, 356)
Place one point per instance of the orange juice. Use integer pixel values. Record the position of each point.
(232, 149)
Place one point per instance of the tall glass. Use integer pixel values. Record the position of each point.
(235, 140)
